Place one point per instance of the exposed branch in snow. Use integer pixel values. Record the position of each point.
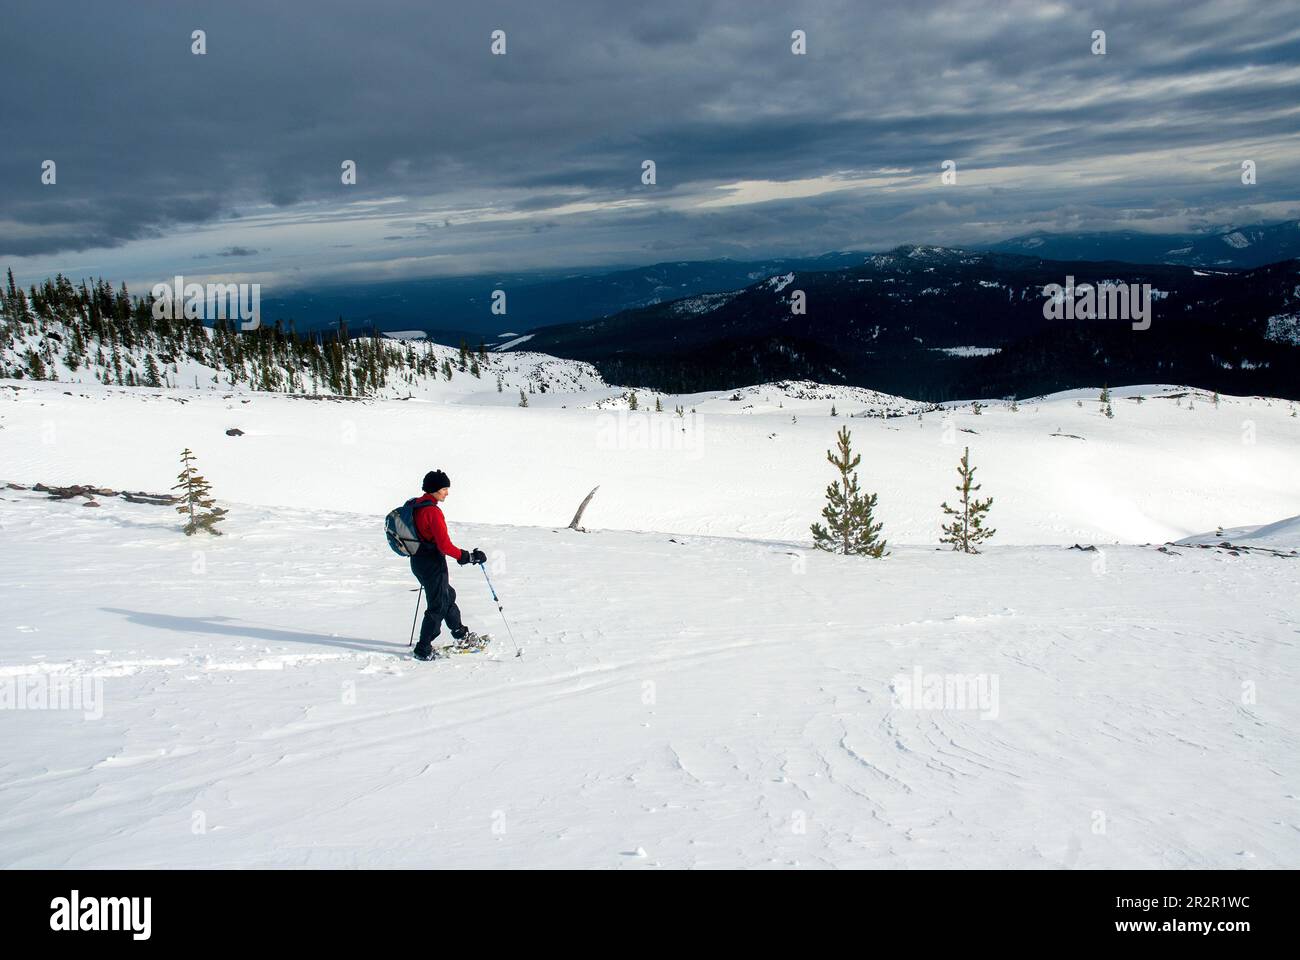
(577, 517)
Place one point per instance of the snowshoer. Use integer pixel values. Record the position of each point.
(429, 564)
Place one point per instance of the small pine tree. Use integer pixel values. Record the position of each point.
(523, 399)
(631, 401)
(967, 529)
(473, 367)
(196, 499)
(833, 413)
(500, 388)
(850, 529)
(35, 365)
(659, 406)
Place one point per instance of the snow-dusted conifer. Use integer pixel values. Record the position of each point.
(850, 528)
(967, 529)
(196, 501)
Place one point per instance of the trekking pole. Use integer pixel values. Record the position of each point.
(419, 590)
(518, 652)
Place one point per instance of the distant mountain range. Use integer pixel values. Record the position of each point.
(453, 307)
(1240, 247)
(926, 322)
(933, 323)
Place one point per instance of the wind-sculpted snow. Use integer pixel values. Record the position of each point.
(1281, 535)
(681, 702)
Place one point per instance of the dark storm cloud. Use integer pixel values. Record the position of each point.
(149, 138)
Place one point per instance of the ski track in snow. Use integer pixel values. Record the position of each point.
(714, 702)
(768, 738)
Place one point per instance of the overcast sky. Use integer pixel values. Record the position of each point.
(228, 164)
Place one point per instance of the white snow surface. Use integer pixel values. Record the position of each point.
(1161, 470)
(698, 688)
(511, 344)
(1283, 535)
(777, 284)
(968, 351)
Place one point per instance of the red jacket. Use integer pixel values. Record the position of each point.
(431, 525)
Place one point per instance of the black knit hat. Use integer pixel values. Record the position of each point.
(435, 480)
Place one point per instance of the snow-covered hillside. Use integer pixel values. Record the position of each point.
(698, 687)
(1282, 535)
(521, 370)
(1169, 466)
(703, 702)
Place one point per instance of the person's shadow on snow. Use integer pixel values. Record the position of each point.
(229, 626)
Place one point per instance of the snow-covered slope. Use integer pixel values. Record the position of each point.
(521, 370)
(1283, 535)
(709, 702)
(697, 687)
(1059, 471)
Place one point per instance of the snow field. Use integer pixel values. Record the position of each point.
(715, 702)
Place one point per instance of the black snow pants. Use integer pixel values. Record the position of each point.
(430, 567)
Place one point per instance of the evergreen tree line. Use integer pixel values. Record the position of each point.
(95, 327)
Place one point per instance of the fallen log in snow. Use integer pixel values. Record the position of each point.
(89, 491)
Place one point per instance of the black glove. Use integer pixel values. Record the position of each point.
(478, 556)
(464, 558)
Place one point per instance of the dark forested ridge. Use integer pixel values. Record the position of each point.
(922, 322)
(897, 323)
(1223, 247)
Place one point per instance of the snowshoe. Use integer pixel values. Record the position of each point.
(469, 642)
